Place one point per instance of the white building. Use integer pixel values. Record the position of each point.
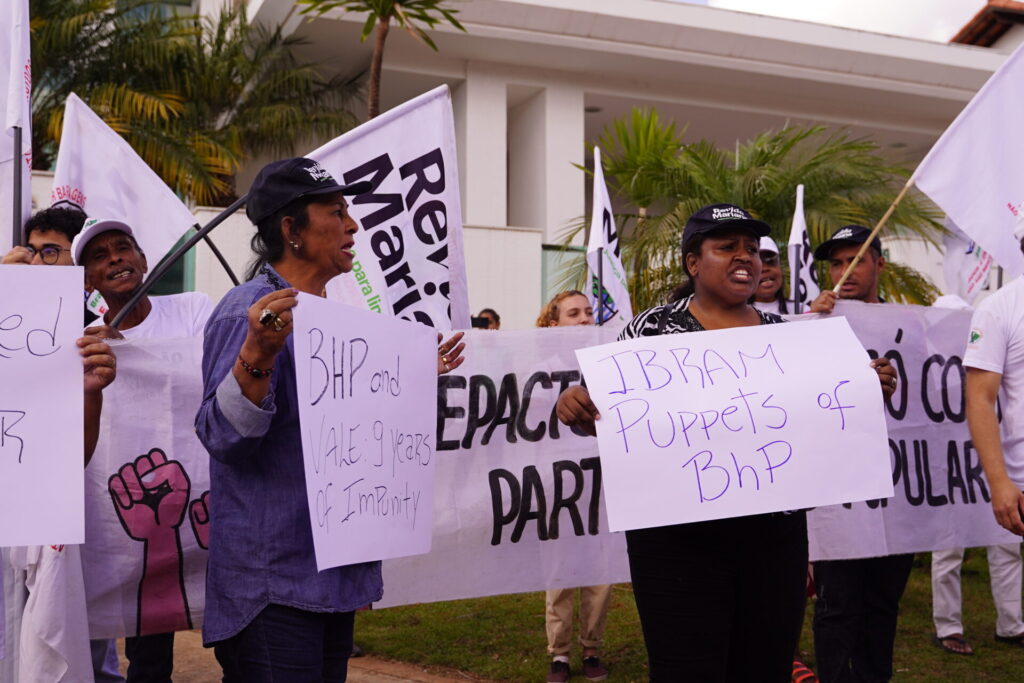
(534, 81)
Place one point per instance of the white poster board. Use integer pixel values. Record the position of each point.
(41, 440)
(708, 425)
(941, 497)
(367, 385)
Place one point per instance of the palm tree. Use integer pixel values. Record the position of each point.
(846, 180)
(408, 14)
(194, 97)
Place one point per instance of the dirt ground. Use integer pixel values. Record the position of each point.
(194, 663)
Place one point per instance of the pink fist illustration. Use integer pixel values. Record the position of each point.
(150, 495)
(199, 515)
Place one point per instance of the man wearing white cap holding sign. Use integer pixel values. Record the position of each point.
(115, 266)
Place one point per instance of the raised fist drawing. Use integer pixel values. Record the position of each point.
(150, 495)
(199, 515)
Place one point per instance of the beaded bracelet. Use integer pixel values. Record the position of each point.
(254, 372)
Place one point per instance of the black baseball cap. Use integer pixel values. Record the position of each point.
(281, 182)
(719, 216)
(848, 234)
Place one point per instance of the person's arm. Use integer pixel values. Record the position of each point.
(237, 406)
(981, 394)
(100, 369)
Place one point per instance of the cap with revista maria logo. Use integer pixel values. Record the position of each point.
(281, 182)
(720, 216)
(848, 234)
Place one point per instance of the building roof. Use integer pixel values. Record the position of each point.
(990, 23)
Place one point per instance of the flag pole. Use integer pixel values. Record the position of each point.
(165, 265)
(867, 243)
(19, 159)
(600, 286)
(793, 286)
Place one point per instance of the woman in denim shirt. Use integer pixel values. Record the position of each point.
(269, 614)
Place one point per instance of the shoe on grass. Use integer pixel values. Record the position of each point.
(593, 670)
(559, 672)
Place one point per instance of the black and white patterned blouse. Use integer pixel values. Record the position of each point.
(674, 318)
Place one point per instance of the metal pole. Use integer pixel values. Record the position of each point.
(18, 161)
(600, 285)
(794, 285)
(220, 256)
(165, 265)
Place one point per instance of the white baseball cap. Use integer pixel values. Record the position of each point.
(93, 227)
(768, 244)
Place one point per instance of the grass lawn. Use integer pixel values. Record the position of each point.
(502, 638)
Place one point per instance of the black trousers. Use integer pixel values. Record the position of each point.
(721, 601)
(289, 645)
(150, 658)
(855, 617)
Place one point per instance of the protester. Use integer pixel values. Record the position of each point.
(115, 266)
(572, 307)
(270, 615)
(48, 234)
(995, 361)
(1005, 569)
(769, 295)
(858, 600)
(492, 318)
(719, 600)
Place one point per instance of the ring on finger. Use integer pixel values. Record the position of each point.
(267, 317)
(279, 323)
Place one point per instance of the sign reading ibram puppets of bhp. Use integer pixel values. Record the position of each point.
(725, 423)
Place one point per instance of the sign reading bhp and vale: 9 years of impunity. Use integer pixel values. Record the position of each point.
(723, 423)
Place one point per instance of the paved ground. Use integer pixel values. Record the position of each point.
(195, 664)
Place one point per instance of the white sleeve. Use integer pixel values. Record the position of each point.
(986, 344)
(202, 309)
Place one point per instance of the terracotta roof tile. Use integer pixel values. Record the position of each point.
(990, 23)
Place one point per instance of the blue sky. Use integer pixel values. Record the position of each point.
(935, 20)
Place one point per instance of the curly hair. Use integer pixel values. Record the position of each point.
(550, 313)
(65, 220)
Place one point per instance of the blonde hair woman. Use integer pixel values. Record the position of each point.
(572, 307)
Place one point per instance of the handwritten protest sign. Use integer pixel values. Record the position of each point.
(367, 387)
(41, 492)
(736, 422)
(941, 499)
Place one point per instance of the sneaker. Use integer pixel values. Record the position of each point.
(559, 672)
(593, 670)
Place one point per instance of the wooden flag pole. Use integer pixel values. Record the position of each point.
(867, 243)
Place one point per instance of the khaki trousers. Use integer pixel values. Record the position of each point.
(558, 617)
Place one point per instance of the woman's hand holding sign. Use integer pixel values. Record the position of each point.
(575, 409)
(886, 375)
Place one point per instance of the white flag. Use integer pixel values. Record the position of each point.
(98, 171)
(975, 172)
(803, 276)
(16, 88)
(604, 245)
(409, 257)
(966, 265)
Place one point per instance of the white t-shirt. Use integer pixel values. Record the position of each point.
(174, 315)
(996, 344)
(768, 306)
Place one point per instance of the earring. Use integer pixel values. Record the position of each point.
(294, 246)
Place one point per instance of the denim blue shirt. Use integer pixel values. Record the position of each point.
(261, 542)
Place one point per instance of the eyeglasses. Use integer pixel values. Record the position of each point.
(49, 253)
